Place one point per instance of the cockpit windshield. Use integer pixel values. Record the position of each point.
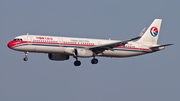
(18, 39)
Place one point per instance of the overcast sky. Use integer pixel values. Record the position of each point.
(151, 77)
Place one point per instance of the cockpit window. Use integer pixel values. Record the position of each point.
(18, 39)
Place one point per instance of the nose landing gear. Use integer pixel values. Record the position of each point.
(26, 56)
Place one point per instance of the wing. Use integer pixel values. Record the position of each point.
(100, 48)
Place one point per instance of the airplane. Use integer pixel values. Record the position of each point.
(62, 48)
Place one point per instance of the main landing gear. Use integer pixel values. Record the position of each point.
(94, 61)
(26, 56)
(78, 63)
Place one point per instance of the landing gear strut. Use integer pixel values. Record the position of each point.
(26, 56)
(94, 61)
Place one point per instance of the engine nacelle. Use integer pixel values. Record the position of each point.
(58, 57)
(83, 52)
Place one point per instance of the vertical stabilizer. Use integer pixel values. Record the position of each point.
(152, 33)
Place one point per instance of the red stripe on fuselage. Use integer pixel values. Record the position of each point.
(13, 43)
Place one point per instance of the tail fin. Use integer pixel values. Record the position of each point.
(152, 33)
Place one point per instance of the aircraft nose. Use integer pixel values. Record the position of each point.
(10, 44)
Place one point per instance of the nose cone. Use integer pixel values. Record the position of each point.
(11, 44)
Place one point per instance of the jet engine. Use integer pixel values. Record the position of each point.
(58, 57)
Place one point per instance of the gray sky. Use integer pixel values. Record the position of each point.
(152, 77)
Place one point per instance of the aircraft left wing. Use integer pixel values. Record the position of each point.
(100, 48)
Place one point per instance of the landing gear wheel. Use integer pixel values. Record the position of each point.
(94, 61)
(25, 59)
(77, 63)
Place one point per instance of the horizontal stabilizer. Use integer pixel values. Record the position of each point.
(156, 48)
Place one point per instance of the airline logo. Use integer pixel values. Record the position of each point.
(154, 31)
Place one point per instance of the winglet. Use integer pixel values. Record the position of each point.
(139, 36)
(142, 32)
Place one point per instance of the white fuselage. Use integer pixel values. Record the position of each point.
(65, 45)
